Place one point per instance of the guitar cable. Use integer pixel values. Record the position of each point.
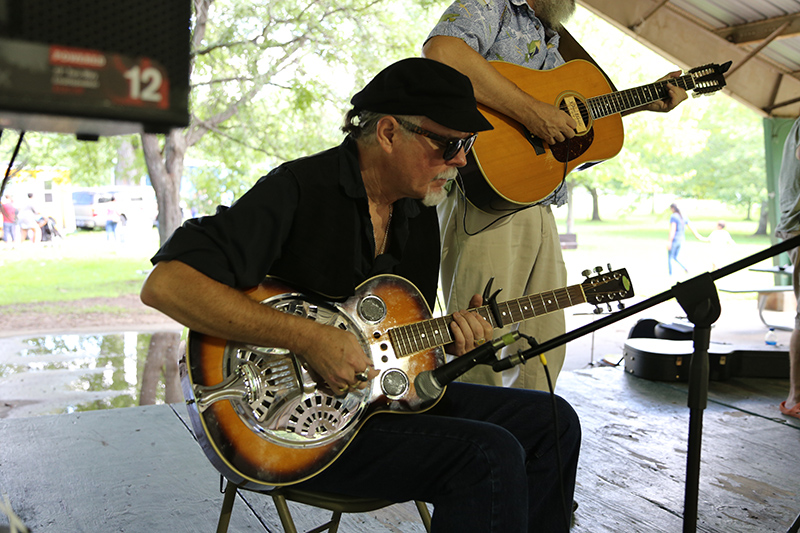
(564, 509)
(556, 429)
(510, 212)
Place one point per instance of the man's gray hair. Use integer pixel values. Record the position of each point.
(362, 125)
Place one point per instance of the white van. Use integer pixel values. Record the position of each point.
(135, 204)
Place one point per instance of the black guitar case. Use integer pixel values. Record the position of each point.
(661, 359)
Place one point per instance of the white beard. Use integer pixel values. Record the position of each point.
(554, 13)
(436, 197)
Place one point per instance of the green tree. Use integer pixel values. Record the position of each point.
(710, 147)
(269, 80)
(731, 166)
(107, 161)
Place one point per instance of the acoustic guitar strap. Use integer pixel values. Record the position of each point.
(571, 49)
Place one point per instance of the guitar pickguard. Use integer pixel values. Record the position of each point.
(572, 149)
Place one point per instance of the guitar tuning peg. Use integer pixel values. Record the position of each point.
(597, 310)
(608, 265)
(598, 269)
(609, 306)
(620, 306)
(586, 273)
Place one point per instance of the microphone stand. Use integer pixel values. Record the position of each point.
(698, 297)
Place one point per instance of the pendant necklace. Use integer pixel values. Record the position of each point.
(386, 233)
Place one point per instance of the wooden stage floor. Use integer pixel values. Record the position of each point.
(140, 469)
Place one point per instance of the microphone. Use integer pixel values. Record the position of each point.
(430, 383)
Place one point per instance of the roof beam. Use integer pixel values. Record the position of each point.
(757, 31)
(754, 52)
(685, 41)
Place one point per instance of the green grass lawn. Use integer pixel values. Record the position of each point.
(81, 265)
(638, 242)
(85, 265)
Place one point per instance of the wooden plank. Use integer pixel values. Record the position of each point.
(398, 518)
(140, 469)
(633, 464)
(135, 469)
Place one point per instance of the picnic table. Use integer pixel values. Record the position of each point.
(765, 291)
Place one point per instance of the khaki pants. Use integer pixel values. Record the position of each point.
(523, 254)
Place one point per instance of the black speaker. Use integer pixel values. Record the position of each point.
(94, 67)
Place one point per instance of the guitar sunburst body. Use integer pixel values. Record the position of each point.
(510, 169)
(260, 414)
(294, 430)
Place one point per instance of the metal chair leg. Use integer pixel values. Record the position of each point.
(227, 506)
(424, 514)
(284, 513)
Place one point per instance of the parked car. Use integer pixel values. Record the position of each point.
(135, 204)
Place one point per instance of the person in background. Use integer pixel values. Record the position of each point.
(10, 223)
(112, 219)
(677, 235)
(29, 220)
(486, 457)
(720, 241)
(522, 251)
(789, 226)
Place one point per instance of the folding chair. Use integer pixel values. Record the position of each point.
(335, 503)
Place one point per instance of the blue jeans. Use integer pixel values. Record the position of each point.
(483, 456)
(673, 256)
(111, 230)
(10, 232)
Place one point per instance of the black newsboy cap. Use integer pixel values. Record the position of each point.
(418, 86)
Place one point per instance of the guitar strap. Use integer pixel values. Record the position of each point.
(570, 49)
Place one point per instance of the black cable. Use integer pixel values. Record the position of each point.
(556, 429)
(463, 192)
(11, 163)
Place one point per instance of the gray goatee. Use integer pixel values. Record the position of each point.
(554, 13)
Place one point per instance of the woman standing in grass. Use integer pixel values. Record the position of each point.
(677, 230)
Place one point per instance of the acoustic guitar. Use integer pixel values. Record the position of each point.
(262, 419)
(509, 168)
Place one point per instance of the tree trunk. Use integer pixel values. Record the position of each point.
(595, 203)
(162, 360)
(165, 166)
(570, 209)
(125, 170)
(762, 219)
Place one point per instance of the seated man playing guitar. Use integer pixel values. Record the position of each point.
(487, 458)
(519, 248)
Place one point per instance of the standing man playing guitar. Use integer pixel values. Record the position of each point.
(521, 251)
(487, 458)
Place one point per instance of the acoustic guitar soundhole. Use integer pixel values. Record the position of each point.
(571, 149)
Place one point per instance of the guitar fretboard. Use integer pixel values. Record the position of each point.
(617, 102)
(413, 338)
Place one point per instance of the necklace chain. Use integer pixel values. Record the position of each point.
(386, 233)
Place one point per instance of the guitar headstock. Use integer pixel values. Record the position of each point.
(606, 287)
(709, 78)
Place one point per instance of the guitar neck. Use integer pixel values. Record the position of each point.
(413, 338)
(620, 101)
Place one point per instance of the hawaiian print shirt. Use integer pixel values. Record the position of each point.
(504, 30)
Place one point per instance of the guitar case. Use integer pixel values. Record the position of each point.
(660, 359)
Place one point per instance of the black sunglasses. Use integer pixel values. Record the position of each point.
(451, 146)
